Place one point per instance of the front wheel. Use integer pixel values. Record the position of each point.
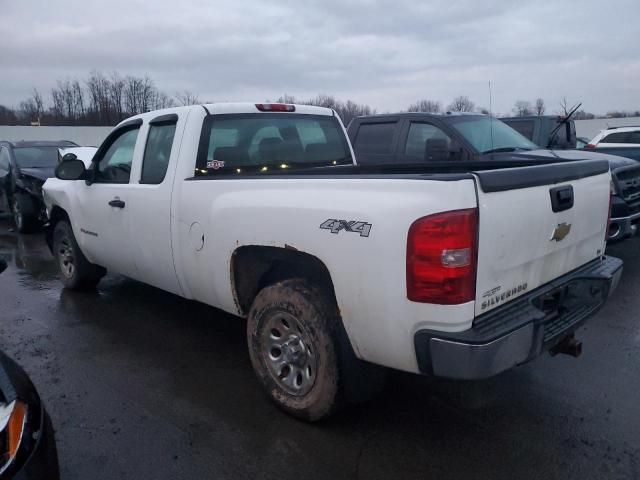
(76, 272)
(292, 331)
(25, 222)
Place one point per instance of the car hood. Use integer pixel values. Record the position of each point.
(542, 154)
(38, 173)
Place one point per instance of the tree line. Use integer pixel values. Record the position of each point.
(106, 99)
(99, 99)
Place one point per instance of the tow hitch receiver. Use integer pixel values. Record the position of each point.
(568, 345)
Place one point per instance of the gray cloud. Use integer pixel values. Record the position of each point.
(385, 53)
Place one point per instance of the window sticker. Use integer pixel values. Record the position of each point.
(215, 164)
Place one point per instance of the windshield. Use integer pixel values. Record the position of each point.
(488, 134)
(36, 157)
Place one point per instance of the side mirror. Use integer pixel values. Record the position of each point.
(67, 157)
(71, 168)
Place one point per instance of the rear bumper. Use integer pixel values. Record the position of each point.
(522, 329)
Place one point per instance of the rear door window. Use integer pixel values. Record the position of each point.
(241, 144)
(616, 137)
(634, 137)
(375, 138)
(157, 152)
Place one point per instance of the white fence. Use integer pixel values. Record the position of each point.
(83, 136)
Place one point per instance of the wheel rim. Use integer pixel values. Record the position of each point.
(66, 258)
(289, 353)
(17, 214)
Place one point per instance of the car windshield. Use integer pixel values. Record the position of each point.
(488, 134)
(36, 157)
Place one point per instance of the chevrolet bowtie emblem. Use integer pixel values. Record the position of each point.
(561, 231)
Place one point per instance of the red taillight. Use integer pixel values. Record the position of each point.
(442, 257)
(590, 145)
(275, 107)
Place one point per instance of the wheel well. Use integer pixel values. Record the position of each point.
(255, 267)
(57, 214)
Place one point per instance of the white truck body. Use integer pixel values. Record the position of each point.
(182, 234)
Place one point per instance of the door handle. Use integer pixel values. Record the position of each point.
(561, 198)
(116, 202)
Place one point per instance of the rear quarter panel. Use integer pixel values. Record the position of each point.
(368, 273)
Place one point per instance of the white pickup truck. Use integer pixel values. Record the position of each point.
(461, 271)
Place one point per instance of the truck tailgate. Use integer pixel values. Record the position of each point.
(530, 233)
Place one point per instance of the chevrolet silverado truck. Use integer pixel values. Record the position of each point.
(261, 210)
(431, 138)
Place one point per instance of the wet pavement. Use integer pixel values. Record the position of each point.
(141, 384)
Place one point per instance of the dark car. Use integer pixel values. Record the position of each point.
(24, 167)
(410, 138)
(27, 445)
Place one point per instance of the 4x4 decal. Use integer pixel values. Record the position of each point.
(354, 226)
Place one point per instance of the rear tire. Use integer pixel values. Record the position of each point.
(292, 337)
(76, 272)
(25, 222)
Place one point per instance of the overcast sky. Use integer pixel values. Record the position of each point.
(384, 53)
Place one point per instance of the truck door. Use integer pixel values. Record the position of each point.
(101, 225)
(150, 202)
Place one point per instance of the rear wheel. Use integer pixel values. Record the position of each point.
(76, 272)
(292, 336)
(25, 222)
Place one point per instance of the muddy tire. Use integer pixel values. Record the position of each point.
(292, 333)
(76, 272)
(20, 207)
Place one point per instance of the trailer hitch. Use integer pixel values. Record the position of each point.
(568, 345)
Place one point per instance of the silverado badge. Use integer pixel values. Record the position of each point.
(561, 231)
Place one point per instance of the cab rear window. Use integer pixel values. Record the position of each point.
(246, 144)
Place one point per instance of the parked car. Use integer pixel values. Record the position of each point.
(422, 137)
(452, 269)
(623, 141)
(27, 444)
(24, 167)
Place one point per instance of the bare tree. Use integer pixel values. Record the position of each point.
(461, 104)
(430, 106)
(99, 98)
(132, 95)
(564, 105)
(539, 107)
(116, 89)
(522, 108)
(186, 97)
(582, 115)
(162, 100)
(286, 99)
